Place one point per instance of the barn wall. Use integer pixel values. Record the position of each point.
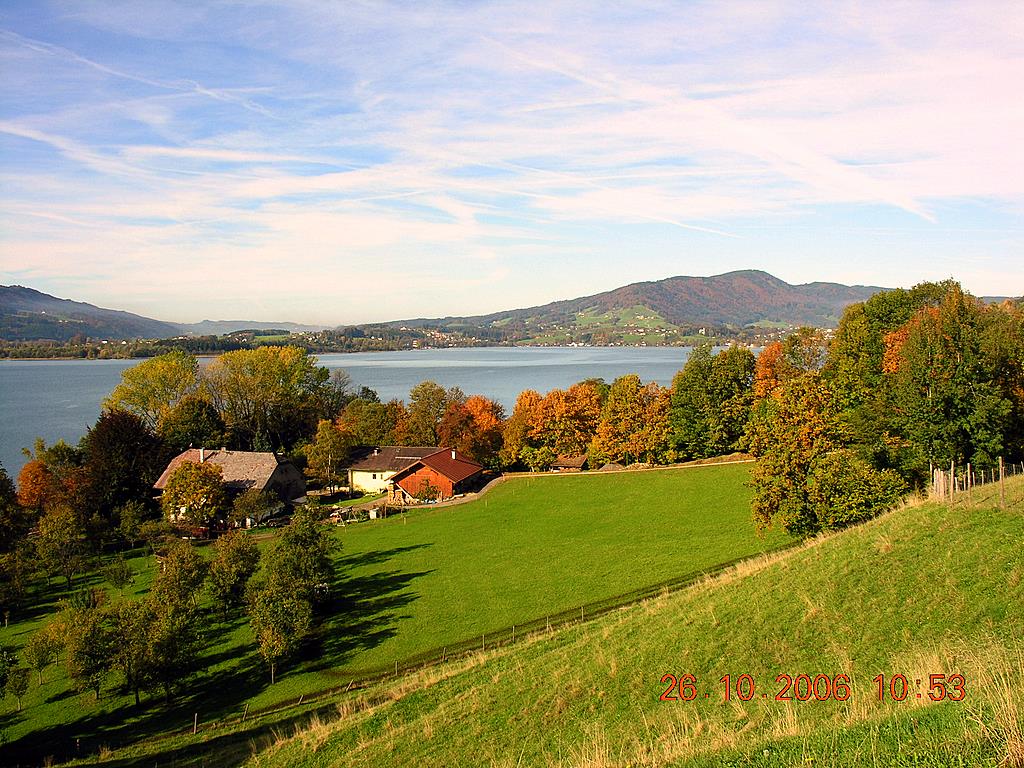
(411, 484)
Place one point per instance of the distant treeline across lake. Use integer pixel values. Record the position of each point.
(56, 399)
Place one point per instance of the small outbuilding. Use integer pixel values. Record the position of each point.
(575, 463)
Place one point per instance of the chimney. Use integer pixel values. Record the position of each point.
(376, 451)
(202, 455)
(453, 453)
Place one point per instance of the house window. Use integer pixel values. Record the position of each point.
(374, 475)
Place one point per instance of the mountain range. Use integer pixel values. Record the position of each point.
(646, 311)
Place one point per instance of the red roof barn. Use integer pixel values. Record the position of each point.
(437, 476)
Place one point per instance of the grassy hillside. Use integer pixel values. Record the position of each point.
(926, 590)
(412, 586)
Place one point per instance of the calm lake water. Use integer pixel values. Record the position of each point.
(56, 399)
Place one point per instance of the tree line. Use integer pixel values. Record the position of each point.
(841, 426)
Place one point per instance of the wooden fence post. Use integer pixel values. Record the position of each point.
(967, 482)
(1002, 497)
(195, 723)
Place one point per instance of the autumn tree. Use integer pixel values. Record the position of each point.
(520, 426)
(327, 454)
(269, 397)
(195, 494)
(473, 427)
(155, 386)
(118, 573)
(634, 423)
(566, 420)
(805, 479)
(53, 475)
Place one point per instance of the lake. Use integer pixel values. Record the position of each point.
(56, 399)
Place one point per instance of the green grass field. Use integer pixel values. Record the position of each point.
(412, 585)
(925, 590)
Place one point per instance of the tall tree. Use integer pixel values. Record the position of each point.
(370, 422)
(269, 396)
(945, 382)
(428, 402)
(474, 428)
(41, 650)
(327, 454)
(519, 429)
(192, 422)
(634, 423)
(153, 387)
(61, 545)
(235, 560)
(280, 620)
(122, 459)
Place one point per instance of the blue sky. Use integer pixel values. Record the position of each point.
(338, 162)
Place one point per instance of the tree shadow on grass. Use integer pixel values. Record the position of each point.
(366, 610)
(364, 614)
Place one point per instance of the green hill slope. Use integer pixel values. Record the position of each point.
(928, 590)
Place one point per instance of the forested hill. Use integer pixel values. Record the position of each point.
(734, 299)
(27, 314)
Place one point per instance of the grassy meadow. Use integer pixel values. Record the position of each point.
(414, 584)
(929, 589)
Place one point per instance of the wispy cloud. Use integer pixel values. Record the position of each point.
(511, 154)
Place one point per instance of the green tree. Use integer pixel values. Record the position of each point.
(61, 545)
(131, 623)
(155, 386)
(17, 568)
(844, 489)
(428, 402)
(235, 559)
(41, 650)
(280, 620)
(17, 684)
(195, 494)
(253, 505)
(118, 573)
(192, 422)
(87, 645)
(370, 422)
(303, 558)
(327, 454)
(173, 644)
(182, 574)
(15, 520)
(122, 459)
